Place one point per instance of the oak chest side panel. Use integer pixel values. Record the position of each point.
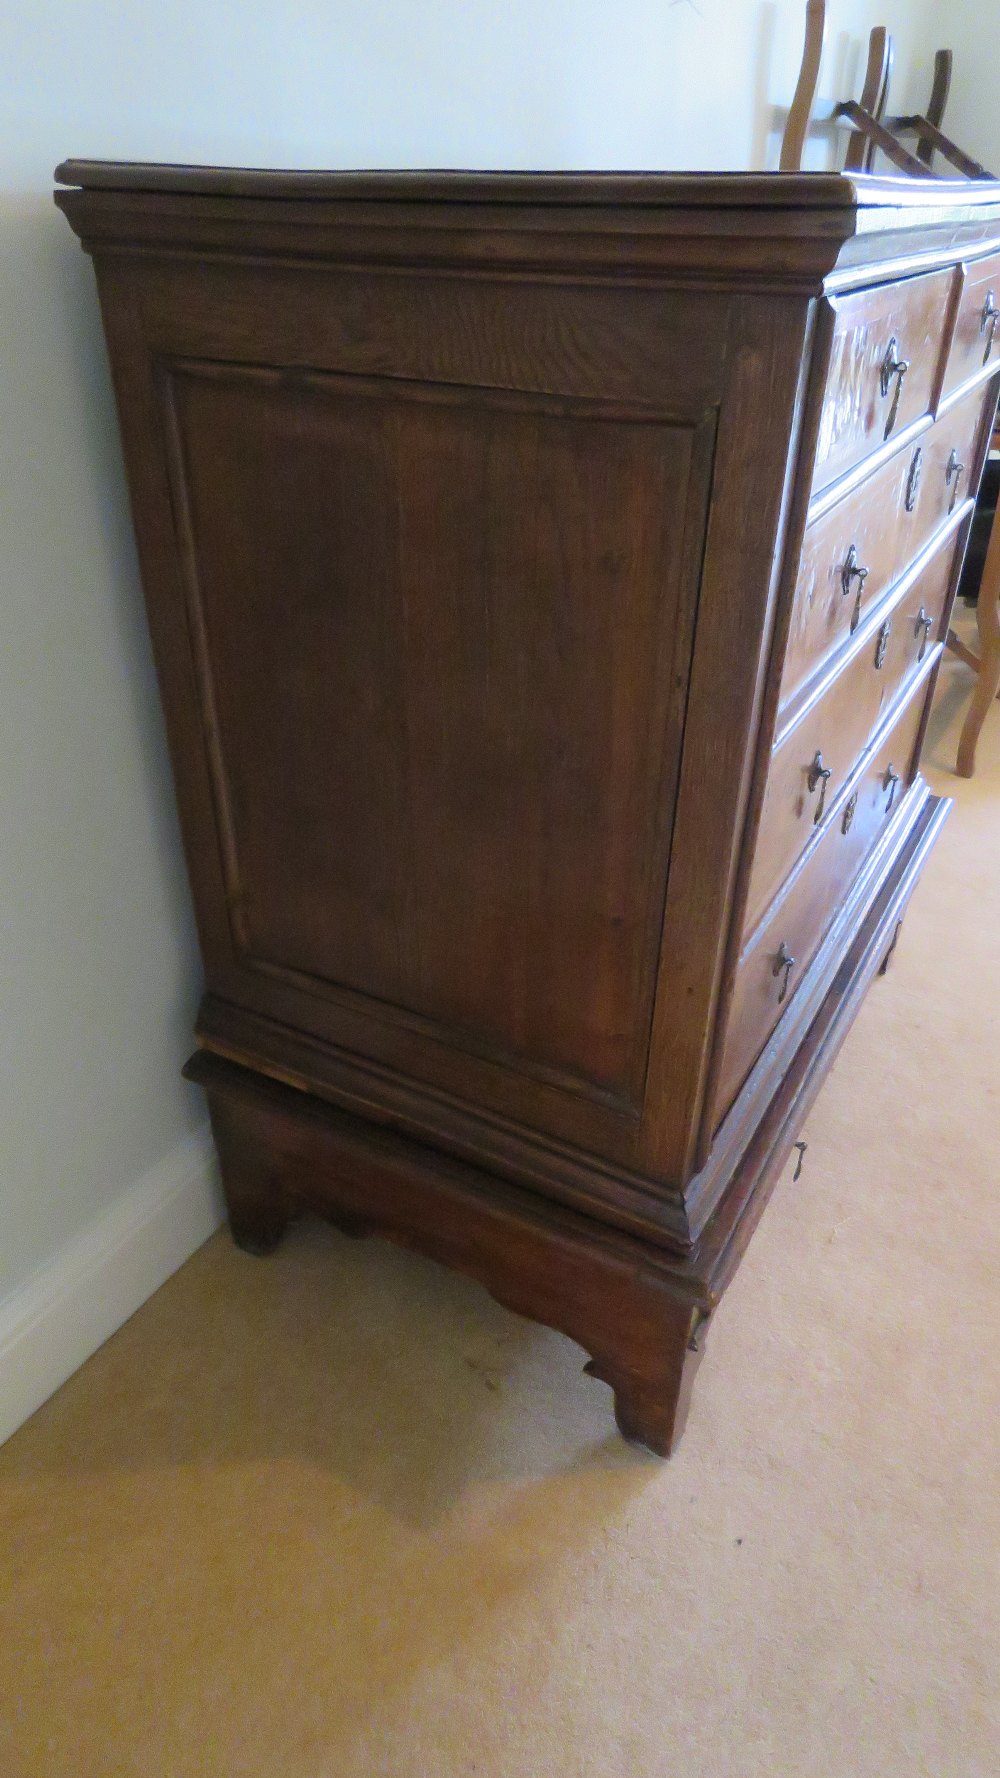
(426, 645)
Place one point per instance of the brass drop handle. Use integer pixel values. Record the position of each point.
(914, 473)
(954, 471)
(889, 782)
(784, 963)
(988, 319)
(819, 774)
(922, 628)
(893, 370)
(852, 571)
(892, 366)
(882, 644)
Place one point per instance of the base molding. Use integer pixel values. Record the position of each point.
(640, 1311)
(638, 1316)
(53, 1322)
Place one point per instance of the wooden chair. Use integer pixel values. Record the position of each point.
(871, 129)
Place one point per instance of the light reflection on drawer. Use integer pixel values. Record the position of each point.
(886, 352)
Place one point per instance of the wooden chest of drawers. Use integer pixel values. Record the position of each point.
(547, 578)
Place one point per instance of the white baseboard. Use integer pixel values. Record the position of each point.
(55, 1320)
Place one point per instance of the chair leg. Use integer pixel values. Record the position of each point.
(988, 677)
(937, 102)
(873, 97)
(797, 123)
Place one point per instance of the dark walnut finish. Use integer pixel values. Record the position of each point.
(547, 577)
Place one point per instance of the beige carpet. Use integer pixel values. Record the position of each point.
(337, 1513)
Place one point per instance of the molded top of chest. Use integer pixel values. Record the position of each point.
(767, 230)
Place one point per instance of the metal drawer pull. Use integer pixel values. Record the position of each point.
(784, 962)
(922, 628)
(849, 811)
(889, 782)
(954, 472)
(913, 479)
(819, 774)
(849, 573)
(893, 370)
(988, 319)
(882, 644)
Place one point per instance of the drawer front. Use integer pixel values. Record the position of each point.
(887, 346)
(847, 565)
(813, 760)
(940, 476)
(854, 551)
(781, 950)
(975, 344)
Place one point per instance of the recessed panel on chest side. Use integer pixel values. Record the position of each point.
(439, 632)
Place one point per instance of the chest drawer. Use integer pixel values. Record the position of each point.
(975, 344)
(941, 474)
(780, 951)
(847, 565)
(852, 552)
(813, 759)
(885, 356)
